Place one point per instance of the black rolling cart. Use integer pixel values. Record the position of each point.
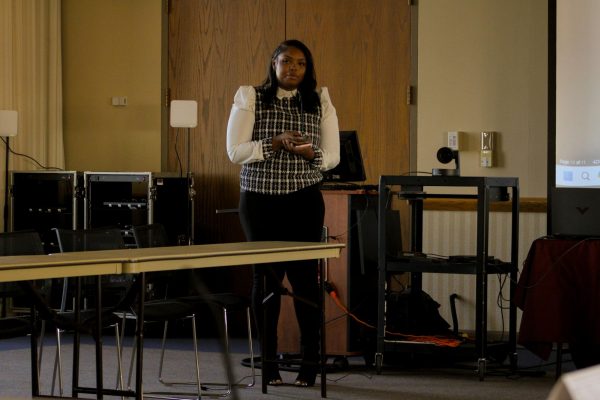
(484, 190)
(128, 199)
(42, 200)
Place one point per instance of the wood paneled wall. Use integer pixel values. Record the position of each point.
(214, 47)
(361, 51)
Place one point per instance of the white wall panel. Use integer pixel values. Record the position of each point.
(452, 233)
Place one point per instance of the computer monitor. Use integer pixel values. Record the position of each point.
(350, 168)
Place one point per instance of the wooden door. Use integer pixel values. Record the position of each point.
(362, 54)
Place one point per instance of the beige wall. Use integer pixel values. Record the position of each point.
(483, 66)
(112, 48)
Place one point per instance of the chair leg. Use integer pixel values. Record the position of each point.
(119, 384)
(57, 370)
(250, 347)
(131, 362)
(197, 382)
(41, 347)
(123, 322)
(120, 353)
(197, 358)
(162, 353)
(226, 329)
(229, 383)
(57, 360)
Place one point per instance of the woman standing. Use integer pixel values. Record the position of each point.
(284, 133)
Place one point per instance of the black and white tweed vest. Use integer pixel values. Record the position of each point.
(281, 172)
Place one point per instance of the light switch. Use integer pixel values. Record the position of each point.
(119, 101)
(487, 150)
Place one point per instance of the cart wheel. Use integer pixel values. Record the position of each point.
(341, 363)
(378, 363)
(481, 368)
(369, 359)
(514, 359)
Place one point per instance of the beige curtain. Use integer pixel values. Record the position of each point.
(31, 84)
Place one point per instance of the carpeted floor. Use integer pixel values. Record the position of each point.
(408, 379)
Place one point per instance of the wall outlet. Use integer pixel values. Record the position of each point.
(487, 158)
(454, 140)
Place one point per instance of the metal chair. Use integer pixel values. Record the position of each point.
(227, 302)
(17, 243)
(160, 308)
(13, 244)
(22, 243)
(154, 235)
(124, 296)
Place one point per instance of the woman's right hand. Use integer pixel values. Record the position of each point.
(288, 140)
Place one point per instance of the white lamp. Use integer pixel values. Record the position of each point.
(8, 123)
(184, 114)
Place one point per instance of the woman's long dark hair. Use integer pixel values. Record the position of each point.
(308, 95)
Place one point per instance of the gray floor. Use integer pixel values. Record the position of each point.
(414, 382)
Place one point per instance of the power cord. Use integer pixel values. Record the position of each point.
(29, 157)
(435, 340)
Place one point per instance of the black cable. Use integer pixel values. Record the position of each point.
(6, 187)
(177, 153)
(284, 291)
(29, 157)
(354, 225)
(502, 278)
(398, 281)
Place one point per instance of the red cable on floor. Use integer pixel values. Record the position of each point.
(435, 340)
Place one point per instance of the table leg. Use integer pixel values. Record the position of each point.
(323, 333)
(139, 331)
(35, 375)
(263, 339)
(559, 354)
(99, 376)
(76, 338)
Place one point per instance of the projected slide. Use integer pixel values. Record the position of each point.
(578, 93)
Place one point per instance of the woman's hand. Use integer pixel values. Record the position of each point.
(304, 150)
(294, 142)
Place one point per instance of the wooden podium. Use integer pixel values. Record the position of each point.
(350, 218)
